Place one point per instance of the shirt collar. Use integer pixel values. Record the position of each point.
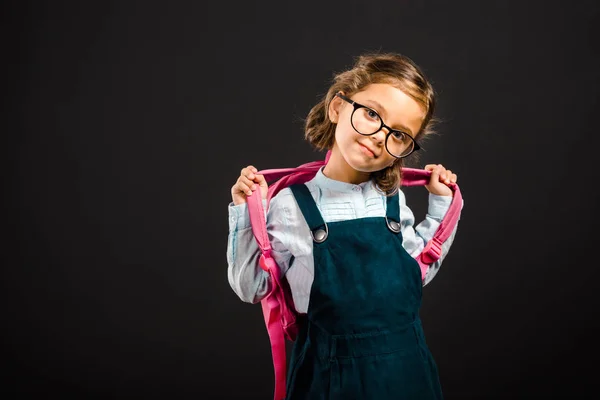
(324, 182)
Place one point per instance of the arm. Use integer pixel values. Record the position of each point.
(415, 238)
(246, 277)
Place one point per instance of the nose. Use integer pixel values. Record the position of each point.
(379, 136)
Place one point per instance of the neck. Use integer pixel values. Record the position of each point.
(339, 170)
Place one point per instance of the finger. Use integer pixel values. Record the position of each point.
(248, 171)
(246, 181)
(243, 188)
(454, 178)
(436, 172)
(430, 167)
(244, 171)
(441, 172)
(260, 179)
(251, 171)
(447, 176)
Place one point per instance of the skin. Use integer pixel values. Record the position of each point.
(353, 156)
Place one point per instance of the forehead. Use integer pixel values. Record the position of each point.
(397, 108)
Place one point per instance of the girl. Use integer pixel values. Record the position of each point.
(356, 283)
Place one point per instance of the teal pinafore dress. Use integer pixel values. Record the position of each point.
(362, 336)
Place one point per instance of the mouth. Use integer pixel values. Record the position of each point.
(367, 150)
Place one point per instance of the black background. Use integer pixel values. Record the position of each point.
(126, 123)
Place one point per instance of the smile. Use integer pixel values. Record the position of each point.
(366, 151)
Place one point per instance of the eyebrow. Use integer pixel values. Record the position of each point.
(379, 106)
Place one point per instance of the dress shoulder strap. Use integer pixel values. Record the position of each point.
(310, 211)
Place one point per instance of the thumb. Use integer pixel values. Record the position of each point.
(435, 170)
(260, 179)
(262, 183)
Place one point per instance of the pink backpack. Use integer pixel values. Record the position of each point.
(278, 307)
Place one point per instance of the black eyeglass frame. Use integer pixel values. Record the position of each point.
(390, 130)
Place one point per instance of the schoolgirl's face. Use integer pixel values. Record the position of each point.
(366, 154)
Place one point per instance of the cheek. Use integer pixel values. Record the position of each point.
(344, 133)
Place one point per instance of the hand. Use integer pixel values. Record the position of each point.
(248, 182)
(439, 180)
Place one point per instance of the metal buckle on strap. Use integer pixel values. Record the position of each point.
(392, 225)
(432, 252)
(319, 235)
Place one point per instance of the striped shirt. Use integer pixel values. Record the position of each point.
(292, 243)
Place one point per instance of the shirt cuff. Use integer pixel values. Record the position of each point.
(239, 218)
(438, 206)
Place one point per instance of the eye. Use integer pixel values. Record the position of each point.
(373, 115)
(399, 135)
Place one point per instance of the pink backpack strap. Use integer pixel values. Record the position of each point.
(272, 304)
(277, 306)
(433, 250)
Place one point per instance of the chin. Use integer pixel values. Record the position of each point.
(362, 163)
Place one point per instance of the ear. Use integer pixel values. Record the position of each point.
(335, 106)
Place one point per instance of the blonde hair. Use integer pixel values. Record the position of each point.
(390, 68)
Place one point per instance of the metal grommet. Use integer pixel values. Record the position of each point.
(319, 235)
(392, 225)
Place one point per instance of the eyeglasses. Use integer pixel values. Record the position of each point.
(367, 122)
